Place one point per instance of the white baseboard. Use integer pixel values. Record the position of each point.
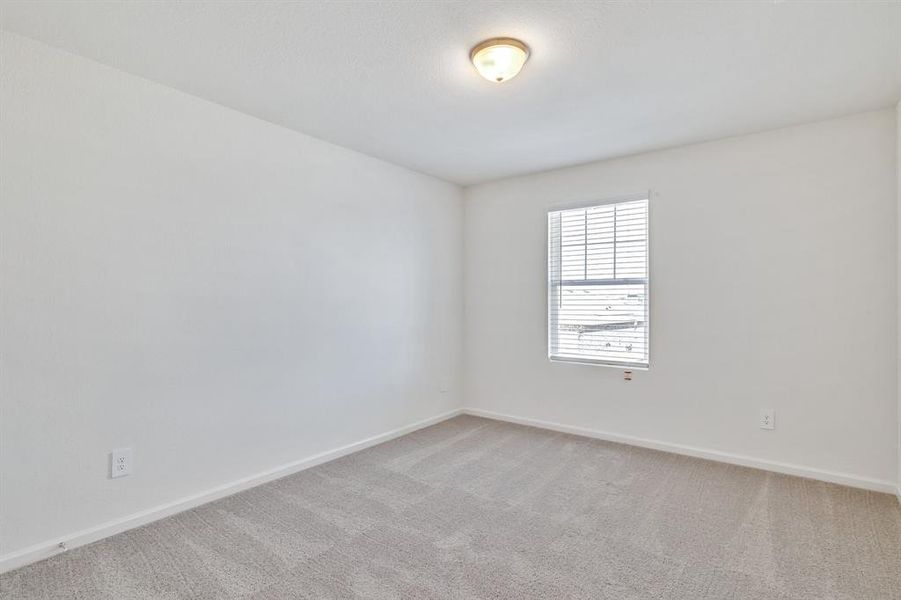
(866, 483)
(48, 548)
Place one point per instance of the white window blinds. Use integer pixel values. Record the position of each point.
(598, 284)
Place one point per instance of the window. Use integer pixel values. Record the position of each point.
(598, 283)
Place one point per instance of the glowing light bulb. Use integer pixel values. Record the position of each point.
(499, 59)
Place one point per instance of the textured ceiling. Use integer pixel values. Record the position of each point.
(392, 79)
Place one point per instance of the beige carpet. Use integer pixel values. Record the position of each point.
(472, 508)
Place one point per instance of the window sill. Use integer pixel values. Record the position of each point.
(598, 363)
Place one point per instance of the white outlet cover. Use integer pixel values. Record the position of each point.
(767, 418)
(121, 462)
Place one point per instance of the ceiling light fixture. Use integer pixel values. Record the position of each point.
(499, 59)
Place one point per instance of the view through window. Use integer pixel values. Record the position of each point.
(598, 284)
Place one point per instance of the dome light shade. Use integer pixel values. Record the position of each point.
(499, 59)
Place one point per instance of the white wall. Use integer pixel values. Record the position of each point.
(898, 191)
(219, 293)
(773, 284)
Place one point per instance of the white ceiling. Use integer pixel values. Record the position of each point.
(393, 79)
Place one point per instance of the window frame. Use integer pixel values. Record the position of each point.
(575, 205)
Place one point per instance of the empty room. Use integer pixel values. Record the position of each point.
(468, 300)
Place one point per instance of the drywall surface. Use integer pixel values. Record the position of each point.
(898, 191)
(773, 285)
(393, 79)
(220, 294)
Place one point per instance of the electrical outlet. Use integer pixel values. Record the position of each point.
(444, 385)
(121, 462)
(767, 418)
